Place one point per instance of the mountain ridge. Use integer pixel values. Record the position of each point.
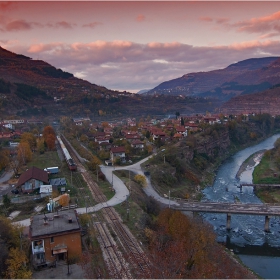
(210, 84)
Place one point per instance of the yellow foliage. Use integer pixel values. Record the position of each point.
(149, 233)
(17, 265)
(140, 179)
(24, 152)
(64, 199)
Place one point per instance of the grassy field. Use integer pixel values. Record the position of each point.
(266, 172)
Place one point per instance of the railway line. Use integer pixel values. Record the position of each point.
(125, 258)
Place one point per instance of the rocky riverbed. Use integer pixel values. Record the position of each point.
(250, 162)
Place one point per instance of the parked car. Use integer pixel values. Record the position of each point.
(15, 191)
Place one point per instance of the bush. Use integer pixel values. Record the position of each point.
(140, 179)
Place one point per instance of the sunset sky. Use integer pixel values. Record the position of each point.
(133, 45)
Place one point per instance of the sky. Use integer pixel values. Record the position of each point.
(135, 45)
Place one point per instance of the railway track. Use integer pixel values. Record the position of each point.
(121, 263)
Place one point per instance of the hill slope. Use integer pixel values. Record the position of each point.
(247, 76)
(33, 87)
(267, 101)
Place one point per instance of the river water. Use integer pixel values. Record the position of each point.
(257, 249)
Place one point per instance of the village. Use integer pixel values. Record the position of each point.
(54, 226)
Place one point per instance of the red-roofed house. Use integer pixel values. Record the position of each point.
(32, 179)
(137, 144)
(117, 152)
(131, 137)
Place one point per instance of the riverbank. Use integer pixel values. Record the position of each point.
(249, 162)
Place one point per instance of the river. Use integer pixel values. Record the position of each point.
(257, 249)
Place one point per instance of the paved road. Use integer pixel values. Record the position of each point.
(5, 188)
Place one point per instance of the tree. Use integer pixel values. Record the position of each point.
(41, 146)
(94, 162)
(50, 141)
(84, 138)
(105, 124)
(24, 153)
(4, 158)
(64, 199)
(140, 179)
(29, 138)
(182, 121)
(6, 201)
(183, 247)
(10, 237)
(177, 114)
(47, 131)
(16, 263)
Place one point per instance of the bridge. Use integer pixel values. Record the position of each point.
(258, 185)
(264, 209)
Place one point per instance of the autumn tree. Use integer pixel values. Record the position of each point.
(41, 146)
(182, 247)
(64, 199)
(4, 158)
(11, 239)
(140, 179)
(29, 138)
(50, 141)
(24, 153)
(105, 124)
(94, 162)
(48, 130)
(49, 137)
(17, 265)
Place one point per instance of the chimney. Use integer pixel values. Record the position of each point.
(69, 220)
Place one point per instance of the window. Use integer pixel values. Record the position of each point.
(52, 240)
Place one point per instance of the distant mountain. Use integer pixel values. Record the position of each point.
(267, 101)
(143, 91)
(244, 77)
(35, 88)
(27, 83)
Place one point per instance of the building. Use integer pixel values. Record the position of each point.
(137, 144)
(55, 237)
(32, 179)
(117, 152)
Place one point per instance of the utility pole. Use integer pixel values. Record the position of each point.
(127, 208)
(97, 173)
(129, 180)
(169, 199)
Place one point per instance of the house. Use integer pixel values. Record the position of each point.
(117, 152)
(177, 136)
(132, 137)
(157, 133)
(32, 179)
(137, 144)
(101, 139)
(55, 237)
(105, 146)
(80, 121)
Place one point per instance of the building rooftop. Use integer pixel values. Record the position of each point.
(51, 223)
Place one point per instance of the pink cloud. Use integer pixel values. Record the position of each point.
(269, 35)
(18, 25)
(64, 24)
(207, 19)
(92, 24)
(259, 25)
(140, 18)
(39, 48)
(132, 63)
